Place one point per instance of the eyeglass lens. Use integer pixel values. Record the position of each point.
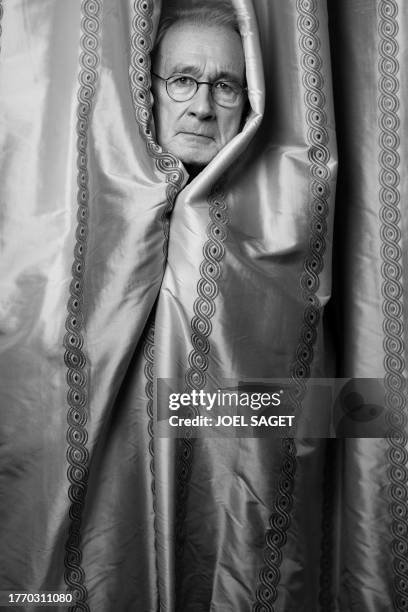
(182, 88)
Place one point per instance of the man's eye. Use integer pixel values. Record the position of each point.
(183, 81)
(224, 87)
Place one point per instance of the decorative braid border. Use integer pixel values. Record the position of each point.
(168, 164)
(201, 328)
(319, 156)
(140, 85)
(392, 292)
(207, 290)
(148, 353)
(276, 535)
(75, 358)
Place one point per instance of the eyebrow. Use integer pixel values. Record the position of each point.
(194, 71)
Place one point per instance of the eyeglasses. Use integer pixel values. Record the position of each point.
(182, 87)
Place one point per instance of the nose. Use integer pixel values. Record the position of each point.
(202, 104)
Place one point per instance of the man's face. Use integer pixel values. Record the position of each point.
(195, 130)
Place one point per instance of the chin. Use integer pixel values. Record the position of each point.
(197, 160)
(192, 153)
(196, 156)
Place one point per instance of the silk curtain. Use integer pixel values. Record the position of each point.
(115, 273)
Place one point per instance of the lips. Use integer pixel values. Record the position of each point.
(197, 134)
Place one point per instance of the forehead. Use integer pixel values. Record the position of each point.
(207, 51)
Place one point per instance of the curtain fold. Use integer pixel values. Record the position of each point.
(368, 51)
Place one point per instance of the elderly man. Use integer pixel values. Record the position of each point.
(198, 84)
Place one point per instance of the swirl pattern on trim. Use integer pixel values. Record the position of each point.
(75, 358)
(148, 354)
(392, 292)
(201, 328)
(166, 163)
(207, 290)
(319, 157)
(140, 84)
(276, 535)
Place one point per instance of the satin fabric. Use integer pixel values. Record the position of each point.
(115, 272)
(368, 52)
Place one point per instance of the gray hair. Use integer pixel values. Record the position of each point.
(218, 13)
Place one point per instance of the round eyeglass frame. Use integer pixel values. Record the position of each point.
(197, 85)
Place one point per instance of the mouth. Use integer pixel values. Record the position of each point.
(197, 135)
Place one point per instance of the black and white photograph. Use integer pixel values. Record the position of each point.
(203, 332)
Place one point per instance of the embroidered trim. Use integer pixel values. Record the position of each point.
(75, 358)
(168, 164)
(207, 290)
(148, 353)
(392, 292)
(319, 156)
(201, 327)
(276, 535)
(140, 84)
